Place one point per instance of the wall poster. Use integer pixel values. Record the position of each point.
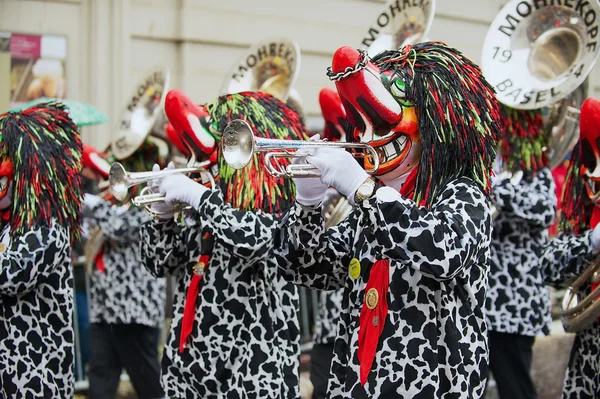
(31, 66)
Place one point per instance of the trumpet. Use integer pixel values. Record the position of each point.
(120, 181)
(239, 145)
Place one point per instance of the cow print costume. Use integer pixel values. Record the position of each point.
(566, 257)
(124, 292)
(518, 300)
(330, 308)
(434, 337)
(245, 337)
(36, 304)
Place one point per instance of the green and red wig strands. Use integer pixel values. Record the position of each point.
(456, 108)
(579, 212)
(44, 147)
(523, 141)
(253, 187)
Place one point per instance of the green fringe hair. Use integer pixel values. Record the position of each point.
(252, 187)
(458, 115)
(45, 149)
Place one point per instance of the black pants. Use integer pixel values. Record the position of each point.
(510, 361)
(129, 346)
(320, 363)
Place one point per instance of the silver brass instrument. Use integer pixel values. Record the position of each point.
(142, 113)
(121, 180)
(269, 66)
(579, 313)
(539, 56)
(399, 24)
(239, 145)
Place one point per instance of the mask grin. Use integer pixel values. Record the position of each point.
(7, 175)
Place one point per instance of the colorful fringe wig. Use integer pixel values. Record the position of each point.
(45, 149)
(577, 207)
(252, 187)
(523, 140)
(458, 114)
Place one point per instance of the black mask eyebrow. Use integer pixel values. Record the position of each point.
(380, 127)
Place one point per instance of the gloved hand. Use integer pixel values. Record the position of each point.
(310, 191)
(164, 209)
(596, 239)
(181, 188)
(339, 169)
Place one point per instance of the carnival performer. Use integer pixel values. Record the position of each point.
(412, 257)
(518, 300)
(235, 330)
(40, 190)
(573, 251)
(330, 302)
(127, 302)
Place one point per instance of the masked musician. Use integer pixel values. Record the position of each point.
(235, 331)
(573, 251)
(412, 257)
(40, 197)
(127, 302)
(518, 301)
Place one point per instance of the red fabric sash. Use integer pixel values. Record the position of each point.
(373, 320)
(99, 260)
(189, 310)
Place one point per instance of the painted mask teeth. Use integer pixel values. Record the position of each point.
(394, 148)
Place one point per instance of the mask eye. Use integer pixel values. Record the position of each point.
(398, 90)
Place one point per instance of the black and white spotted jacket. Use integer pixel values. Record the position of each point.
(518, 299)
(330, 309)
(245, 338)
(434, 340)
(36, 314)
(565, 258)
(125, 293)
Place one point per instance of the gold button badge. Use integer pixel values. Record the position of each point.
(2, 247)
(199, 268)
(372, 298)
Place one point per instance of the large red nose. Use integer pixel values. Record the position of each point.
(344, 57)
(333, 113)
(589, 121)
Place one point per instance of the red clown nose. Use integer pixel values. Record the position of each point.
(369, 105)
(333, 113)
(186, 118)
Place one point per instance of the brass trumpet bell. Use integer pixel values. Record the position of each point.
(239, 145)
(579, 313)
(120, 181)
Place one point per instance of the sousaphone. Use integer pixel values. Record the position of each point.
(269, 66)
(143, 114)
(400, 23)
(538, 55)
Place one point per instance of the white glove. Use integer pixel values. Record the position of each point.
(164, 209)
(310, 191)
(339, 169)
(183, 189)
(596, 239)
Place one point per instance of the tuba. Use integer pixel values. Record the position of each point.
(269, 66)
(538, 56)
(400, 23)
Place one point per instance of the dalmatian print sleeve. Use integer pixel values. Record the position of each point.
(163, 247)
(565, 257)
(247, 234)
(439, 242)
(533, 202)
(119, 224)
(311, 256)
(30, 257)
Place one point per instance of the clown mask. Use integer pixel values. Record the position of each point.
(379, 106)
(6, 180)
(589, 128)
